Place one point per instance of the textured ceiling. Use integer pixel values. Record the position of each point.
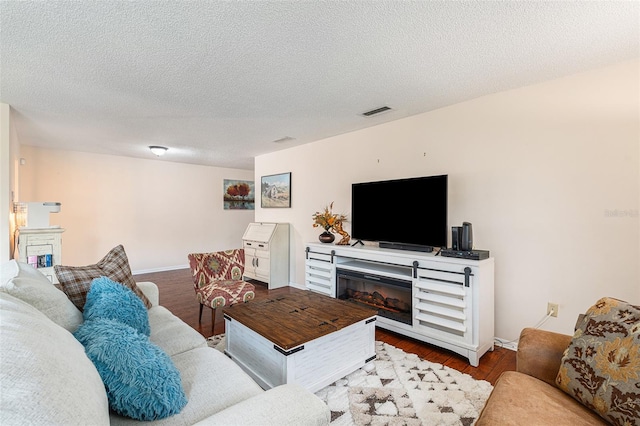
(219, 81)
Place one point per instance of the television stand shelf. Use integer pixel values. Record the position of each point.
(377, 268)
(451, 298)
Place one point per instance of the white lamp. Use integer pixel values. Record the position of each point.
(158, 150)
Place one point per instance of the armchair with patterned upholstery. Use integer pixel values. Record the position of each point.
(217, 279)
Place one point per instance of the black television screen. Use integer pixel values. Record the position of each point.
(409, 211)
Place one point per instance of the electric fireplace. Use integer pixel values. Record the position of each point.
(390, 296)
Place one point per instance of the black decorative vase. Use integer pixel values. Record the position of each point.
(326, 237)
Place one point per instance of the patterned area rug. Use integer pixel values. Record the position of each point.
(401, 389)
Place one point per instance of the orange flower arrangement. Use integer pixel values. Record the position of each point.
(327, 219)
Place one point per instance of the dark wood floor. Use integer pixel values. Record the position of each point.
(177, 295)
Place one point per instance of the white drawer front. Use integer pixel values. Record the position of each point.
(319, 276)
(318, 256)
(35, 250)
(39, 239)
(442, 306)
(255, 245)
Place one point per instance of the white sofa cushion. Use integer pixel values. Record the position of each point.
(46, 377)
(30, 285)
(151, 291)
(172, 334)
(211, 381)
(285, 405)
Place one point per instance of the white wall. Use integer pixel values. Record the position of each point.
(548, 175)
(159, 211)
(5, 187)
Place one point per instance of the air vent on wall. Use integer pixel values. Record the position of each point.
(376, 111)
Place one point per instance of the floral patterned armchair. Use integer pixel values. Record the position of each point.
(217, 279)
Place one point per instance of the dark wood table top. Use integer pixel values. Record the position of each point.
(293, 319)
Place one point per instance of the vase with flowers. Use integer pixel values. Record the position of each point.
(327, 220)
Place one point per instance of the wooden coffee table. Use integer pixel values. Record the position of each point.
(301, 337)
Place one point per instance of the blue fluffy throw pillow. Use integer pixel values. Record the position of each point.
(141, 380)
(112, 300)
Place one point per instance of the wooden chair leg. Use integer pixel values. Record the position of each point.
(200, 316)
(213, 320)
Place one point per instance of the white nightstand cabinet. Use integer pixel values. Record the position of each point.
(266, 253)
(42, 248)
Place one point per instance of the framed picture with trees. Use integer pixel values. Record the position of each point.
(239, 194)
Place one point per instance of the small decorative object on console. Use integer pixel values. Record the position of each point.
(456, 237)
(330, 221)
(467, 237)
(326, 237)
(345, 235)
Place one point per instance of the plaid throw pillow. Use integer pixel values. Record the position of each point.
(601, 366)
(76, 280)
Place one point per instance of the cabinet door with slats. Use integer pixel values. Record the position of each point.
(443, 305)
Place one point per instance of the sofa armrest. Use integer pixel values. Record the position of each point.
(540, 353)
(151, 291)
(285, 405)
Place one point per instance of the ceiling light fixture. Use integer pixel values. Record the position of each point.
(158, 150)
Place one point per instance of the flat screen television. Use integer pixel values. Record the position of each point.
(409, 214)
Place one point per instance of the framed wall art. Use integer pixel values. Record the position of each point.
(239, 194)
(275, 191)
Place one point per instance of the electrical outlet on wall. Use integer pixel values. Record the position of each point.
(552, 308)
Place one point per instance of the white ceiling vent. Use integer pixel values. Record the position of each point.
(376, 111)
(285, 139)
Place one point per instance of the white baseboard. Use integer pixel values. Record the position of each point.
(298, 286)
(507, 344)
(162, 269)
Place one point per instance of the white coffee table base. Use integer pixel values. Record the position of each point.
(313, 365)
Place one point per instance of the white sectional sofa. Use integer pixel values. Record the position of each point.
(46, 377)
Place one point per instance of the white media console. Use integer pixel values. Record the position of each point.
(450, 299)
